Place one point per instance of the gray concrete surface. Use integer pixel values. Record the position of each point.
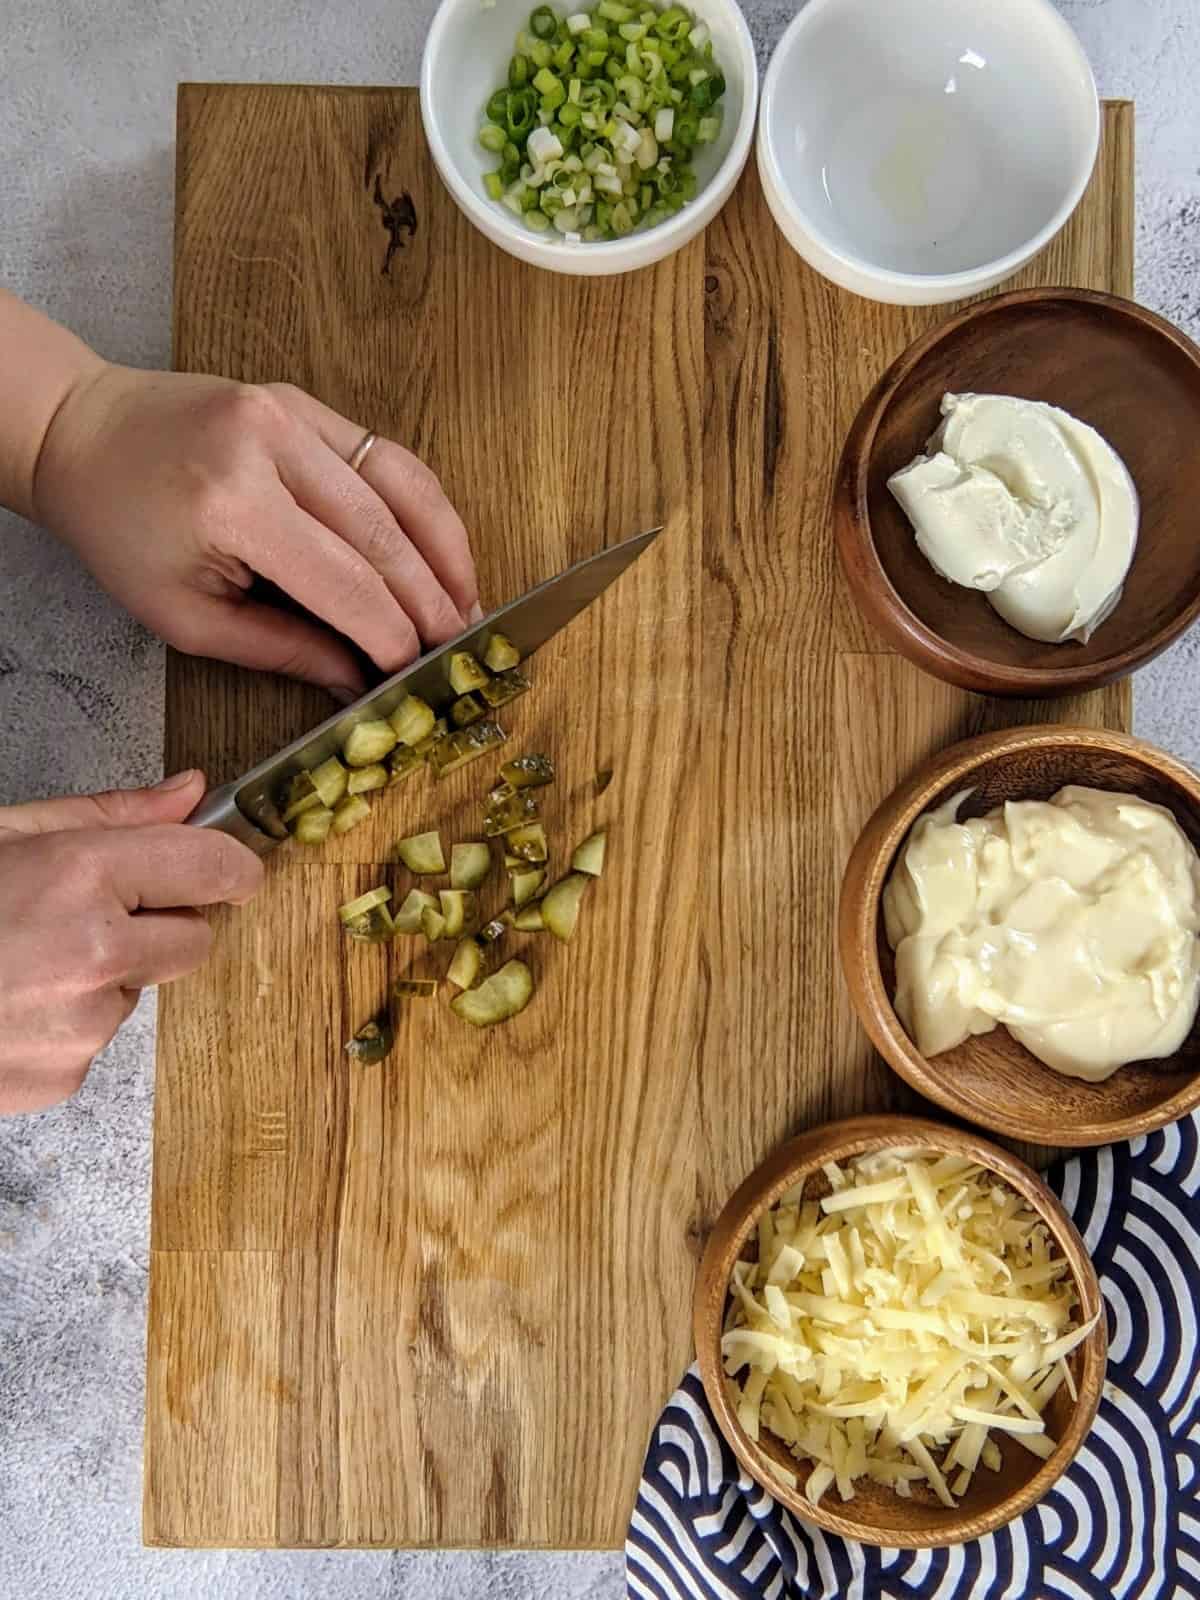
(86, 127)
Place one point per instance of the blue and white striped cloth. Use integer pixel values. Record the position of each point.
(1123, 1523)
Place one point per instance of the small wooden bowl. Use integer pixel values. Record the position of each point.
(876, 1515)
(1112, 364)
(991, 1079)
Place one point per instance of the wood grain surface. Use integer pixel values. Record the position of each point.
(442, 1302)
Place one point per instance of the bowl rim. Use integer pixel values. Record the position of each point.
(873, 589)
(606, 255)
(968, 278)
(862, 887)
(763, 1187)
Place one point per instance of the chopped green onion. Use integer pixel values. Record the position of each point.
(492, 137)
(543, 24)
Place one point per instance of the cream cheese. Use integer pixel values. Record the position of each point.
(1072, 921)
(1023, 501)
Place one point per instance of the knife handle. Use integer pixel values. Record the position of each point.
(219, 809)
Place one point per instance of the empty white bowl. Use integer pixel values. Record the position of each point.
(918, 151)
(466, 58)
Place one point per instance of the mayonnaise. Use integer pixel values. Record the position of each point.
(1071, 921)
(1028, 504)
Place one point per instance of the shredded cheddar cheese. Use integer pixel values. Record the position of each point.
(887, 1330)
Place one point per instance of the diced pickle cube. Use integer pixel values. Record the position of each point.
(528, 842)
(589, 856)
(372, 1042)
(469, 865)
(467, 964)
(412, 720)
(501, 654)
(527, 772)
(499, 691)
(368, 743)
(515, 812)
(466, 673)
(497, 998)
(348, 813)
(312, 827)
(468, 708)
(363, 779)
(422, 853)
(468, 744)
(458, 908)
(414, 988)
(408, 918)
(329, 780)
(560, 908)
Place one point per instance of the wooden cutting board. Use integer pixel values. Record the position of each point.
(442, 1301)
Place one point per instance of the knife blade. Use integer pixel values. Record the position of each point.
(246, 807)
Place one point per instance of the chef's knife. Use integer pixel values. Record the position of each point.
(246, 808)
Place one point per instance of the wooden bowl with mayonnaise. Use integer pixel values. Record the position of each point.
(1125, 384)
(989, 1078)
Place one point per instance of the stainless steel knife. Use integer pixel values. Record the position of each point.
(246, 808)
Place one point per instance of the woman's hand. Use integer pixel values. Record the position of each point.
(176, 490)
(97, 898)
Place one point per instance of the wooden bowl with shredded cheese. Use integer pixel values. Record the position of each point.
(899, 1331)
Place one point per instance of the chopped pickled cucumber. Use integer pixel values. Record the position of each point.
(368, 743)
(422, 853)
(497, 998)
(589, 856)
(372, 927)
(372, 1042)
(508, 686)
(412, 720)
(495, 929)
(468, 708)
(403, 763)
(530, 919)
(415, 988)
(467, 744)
(432, 739)
(458, 908)
(312, 827)
(329, 780)
(367, 917)
(515, 812)
(348, 813)
(560, 908)
(299, 797)
(469, 865)
(364, 903)
(408, 918)
(528, 842)
(527, 772)
(499, 792)
(363, 779)
(514, 863)
(466, 673)
(467, 964)
(433, 925)
(526, 881)
(501, 654)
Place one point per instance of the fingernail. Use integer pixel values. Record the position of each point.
(342, 695)
(177, 780)
(476, 613)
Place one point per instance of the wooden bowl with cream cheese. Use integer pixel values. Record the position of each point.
(877, 1514)
(991, 1079)
(1112, 364)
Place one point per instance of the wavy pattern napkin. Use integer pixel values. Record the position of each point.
(1123, 1523)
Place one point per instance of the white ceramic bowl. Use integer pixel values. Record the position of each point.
(466, 58)
(917, 151)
